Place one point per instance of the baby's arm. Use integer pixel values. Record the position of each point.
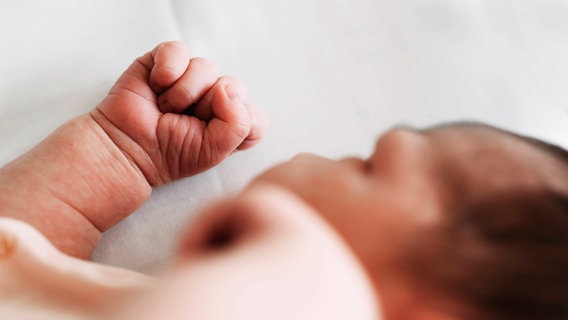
(98, 168)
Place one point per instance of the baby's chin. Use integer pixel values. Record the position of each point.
(285, 175)
(288, 196)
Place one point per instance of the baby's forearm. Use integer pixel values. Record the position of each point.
(73, 186)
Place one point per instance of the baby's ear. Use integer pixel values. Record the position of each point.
(260, 212)
(218, 229)
(224, 226)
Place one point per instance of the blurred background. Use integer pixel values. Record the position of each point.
(330, 74)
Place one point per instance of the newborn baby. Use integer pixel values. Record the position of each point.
(462, 221)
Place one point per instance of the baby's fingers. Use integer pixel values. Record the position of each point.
(258, 126)
(203, 110)
(230, 126)
(170, 61)
(200, 76)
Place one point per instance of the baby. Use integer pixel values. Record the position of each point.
(461, 221)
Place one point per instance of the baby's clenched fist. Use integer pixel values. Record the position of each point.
(173, 116)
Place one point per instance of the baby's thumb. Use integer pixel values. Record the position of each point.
(230, 126)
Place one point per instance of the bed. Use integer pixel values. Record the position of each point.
(331, 75)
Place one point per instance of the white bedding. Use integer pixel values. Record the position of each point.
(330, 74)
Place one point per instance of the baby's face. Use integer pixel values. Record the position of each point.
(279, 247)
(372, 202)
(408, 184)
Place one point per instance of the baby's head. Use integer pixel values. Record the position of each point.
(462, 220)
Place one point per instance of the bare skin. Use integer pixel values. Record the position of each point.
(97, 169)
(389, 200)
(290, 233)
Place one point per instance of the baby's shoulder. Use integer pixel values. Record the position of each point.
(40, 282)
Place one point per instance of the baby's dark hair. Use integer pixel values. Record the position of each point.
(503, 255)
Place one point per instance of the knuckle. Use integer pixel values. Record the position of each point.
(187, 94)
(231, 80)
(235, 83)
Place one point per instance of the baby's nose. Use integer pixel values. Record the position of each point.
(398, 150)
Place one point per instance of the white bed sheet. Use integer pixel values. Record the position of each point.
(330, 74)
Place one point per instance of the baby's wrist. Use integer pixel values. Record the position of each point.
(72, 186)
(132, 148)
(111, 184)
